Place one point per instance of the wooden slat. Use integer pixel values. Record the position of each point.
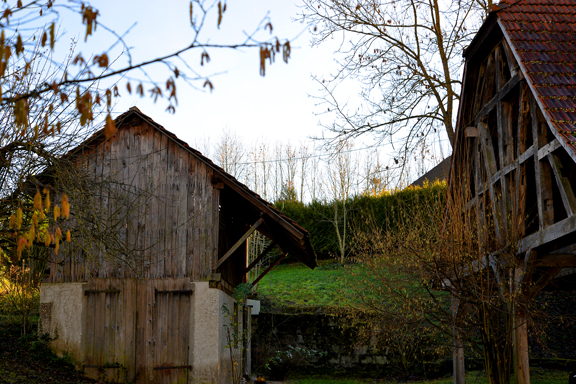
(536, 163)
(155, 202)
(200, 249)
(182, 213)
(499, 96)
(129, 322)
(239, 242)
(566, 192)
(172, 210)
(209, 229)
(141, 323)
(191, 257)
(490, 167)
(89, 336)
(147, 197)
(162, 191)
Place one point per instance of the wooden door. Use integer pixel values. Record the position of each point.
(109, 335)
(138, 330)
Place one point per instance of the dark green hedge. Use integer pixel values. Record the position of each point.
(363, 211)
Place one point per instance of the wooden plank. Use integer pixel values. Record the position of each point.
(162, 313)
(141, 320)
(173, 331)
(132, 153)
(510, 59)
(100, 323)
(548, 234)
(145, 185)
(184, 324)
(566, 192)
(138, 164)
(200, 246)
(162, 191)
(197, 221)
(490, 167)
(548, 149)
(537, 163)
(191, 258)
(182, 213)
(170, 196)
(129, 325)
(499, 96)
(239, 242)
(215, 223)
(479, 88)
(155, 180)
(209, 228)
(104, 209)
(89, 335)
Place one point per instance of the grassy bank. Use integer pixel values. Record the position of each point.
(297, 285)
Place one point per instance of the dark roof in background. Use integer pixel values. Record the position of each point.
(302, 241)
(439, 172)
(542, 34)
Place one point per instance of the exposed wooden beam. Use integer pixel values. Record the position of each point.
(548, 234)
(490, 165)
(239, 243)
(548, 148)
(510, 84)
(259, 258)
(566, 192)
(537, 164)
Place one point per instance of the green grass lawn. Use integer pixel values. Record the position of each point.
(298, 285)
(537, 376)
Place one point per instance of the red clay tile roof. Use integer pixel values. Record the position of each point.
(543, 35)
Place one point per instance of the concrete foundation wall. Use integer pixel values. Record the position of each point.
(209, 355)
(63, 309)
(62, 316)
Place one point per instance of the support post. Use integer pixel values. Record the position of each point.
(458, 348)
(521, 357)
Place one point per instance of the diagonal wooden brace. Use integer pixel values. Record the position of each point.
(239, 243)
(259, 258)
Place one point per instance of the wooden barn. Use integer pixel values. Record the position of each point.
(154, 315)
(515, 152)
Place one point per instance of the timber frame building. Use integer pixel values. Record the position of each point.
(515, 150)
(157, 315)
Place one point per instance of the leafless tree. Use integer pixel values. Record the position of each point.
(407, 56)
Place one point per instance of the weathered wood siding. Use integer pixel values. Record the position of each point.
(138, 330)
(162, 203)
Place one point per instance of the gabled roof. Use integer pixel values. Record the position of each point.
(542, 36)
(291, 237)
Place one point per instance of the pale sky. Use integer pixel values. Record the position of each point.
(277, 106)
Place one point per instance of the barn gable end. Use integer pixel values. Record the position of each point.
(514, 159)
(150, 306)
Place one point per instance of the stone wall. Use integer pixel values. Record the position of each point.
(346, 350)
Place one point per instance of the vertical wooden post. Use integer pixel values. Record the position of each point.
(521, 357)
(458, 348)
(520, 335)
